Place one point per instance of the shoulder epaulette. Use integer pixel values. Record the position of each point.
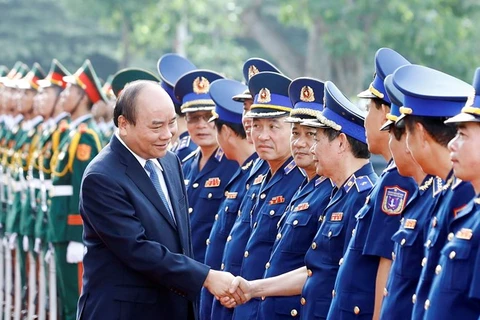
(289, 167)
(191, 155)
(363, 183)
(219, 154)
(183, 143)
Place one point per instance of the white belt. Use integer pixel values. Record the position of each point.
(35, 183)
(61, 191)
(47, 183)
(17, 186)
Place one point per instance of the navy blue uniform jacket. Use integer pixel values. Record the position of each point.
(138, 262)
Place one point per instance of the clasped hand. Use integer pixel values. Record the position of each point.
(229, 290)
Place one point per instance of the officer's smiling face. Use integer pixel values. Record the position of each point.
(302, 139)
(156, 123)
(202, 132)
(270, 137)
(465, 153)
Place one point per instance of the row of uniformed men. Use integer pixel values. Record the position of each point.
(290, 202)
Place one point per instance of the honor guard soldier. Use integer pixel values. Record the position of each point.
(409, 239)
(79, 146)
(304, 214)
(456, 285)
(207, 171)
(232, 139)
(270, 135)
(29, 87)
(102, 112)
(238, 237)
(370, 250)
(430, 97)
(171, 67)
(54, 129)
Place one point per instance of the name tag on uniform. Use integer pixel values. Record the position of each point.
(465, 234)
(410, 224)
(336, 216)
(302, 206)
(231, 195)
(276, 200)
(212, 182)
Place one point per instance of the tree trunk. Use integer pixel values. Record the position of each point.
(126, 30)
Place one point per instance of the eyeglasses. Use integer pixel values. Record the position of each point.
(197, 118)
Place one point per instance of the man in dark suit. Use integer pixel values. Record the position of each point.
(138, 262)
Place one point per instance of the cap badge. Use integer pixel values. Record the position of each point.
(470, 100)
(264, 96)
(307, 94)
(252, 70)
(201, 85)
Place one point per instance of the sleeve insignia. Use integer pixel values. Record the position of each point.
(394, 199)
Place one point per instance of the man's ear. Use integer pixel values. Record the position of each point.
(122, 126)
(342, 143)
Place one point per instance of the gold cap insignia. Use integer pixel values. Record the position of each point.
(252, 70)
(264, 96)
(470, 100)
(307, 94)
(201, 85)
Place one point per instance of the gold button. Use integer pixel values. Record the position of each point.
(385, 292)
(294, 313)
(207, 242)
(222, 266)
(229, 238)
(245, 254)
(226, 208)
(255, 225)
(450, 236)
(195, 185)
(295, 222)
(438, 269)
(262, 196)
(253, 195)
(329, 233)
(429, 242)
(314, 246)
(452, 255)
(427, 304)
(216, 217)
(209, 195)
(320, 219)
(272, 212)
(393, 256)
(303, 301)
(424, 261)
(309, 272)
(247, 186)
(414, 298)
(356, 310)
(267, 265)
(279, 236)
(434, 222)
(190, 210)
(263, 298)
(403, 242)
(353, 232)
(340, 262)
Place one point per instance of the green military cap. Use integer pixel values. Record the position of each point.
(125, 76)
(55, 76)
(86, 78)
(18, 71)
(3, 71)
(30, 81)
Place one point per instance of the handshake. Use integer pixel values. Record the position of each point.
(231, 291)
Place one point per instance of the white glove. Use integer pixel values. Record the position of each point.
(25, 243)
(38, 243)
(75, 252)
(5, 242)
(48, 256)
(11, 241)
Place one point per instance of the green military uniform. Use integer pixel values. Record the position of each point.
(79, 146)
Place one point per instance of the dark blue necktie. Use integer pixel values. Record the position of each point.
(150, 167)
